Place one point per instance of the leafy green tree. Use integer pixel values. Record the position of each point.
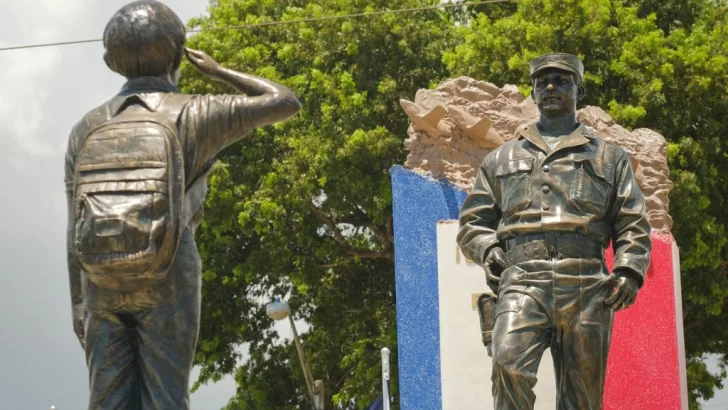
(673, 14)
(303, 208)
(661, 65)
(685, 95)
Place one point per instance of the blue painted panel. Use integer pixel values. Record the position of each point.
(419, 203)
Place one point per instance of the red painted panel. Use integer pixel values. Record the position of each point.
(644, 367)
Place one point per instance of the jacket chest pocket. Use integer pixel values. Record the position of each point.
(590, 186)
(514, 181)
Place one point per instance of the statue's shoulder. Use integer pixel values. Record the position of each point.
(180, 98)
(516, 142)
(502, 154)
(607, 149)
(93, 118)
(589, 132)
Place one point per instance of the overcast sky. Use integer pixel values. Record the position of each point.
(44, 92)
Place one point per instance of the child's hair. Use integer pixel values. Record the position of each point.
(144, 38)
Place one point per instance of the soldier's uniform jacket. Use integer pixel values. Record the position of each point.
(584, 185)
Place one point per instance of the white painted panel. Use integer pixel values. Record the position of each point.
(465, 365)
(679, 321)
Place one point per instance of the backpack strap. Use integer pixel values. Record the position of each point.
(178, 101)
(195, 191)
(194, 197)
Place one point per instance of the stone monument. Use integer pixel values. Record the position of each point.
(453, 127)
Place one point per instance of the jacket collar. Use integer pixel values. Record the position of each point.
(150, 91)
(580, 136)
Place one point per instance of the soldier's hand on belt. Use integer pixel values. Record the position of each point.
(625, 287)
(494, 265)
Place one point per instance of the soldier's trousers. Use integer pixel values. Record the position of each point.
(140, 346)
(556, 304)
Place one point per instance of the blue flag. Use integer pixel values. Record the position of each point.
(378, 403)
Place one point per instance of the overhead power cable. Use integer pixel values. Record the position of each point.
(283, 22)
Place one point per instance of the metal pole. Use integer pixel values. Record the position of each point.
(385, 377)
(315, 388)
(319, 397)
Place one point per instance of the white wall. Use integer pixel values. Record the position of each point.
(465, 365)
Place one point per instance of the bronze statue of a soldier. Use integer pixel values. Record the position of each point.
(543, 208)
(135, 176)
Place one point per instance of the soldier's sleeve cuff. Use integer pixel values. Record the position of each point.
(484, 248)
(69, 183)
(637, 269)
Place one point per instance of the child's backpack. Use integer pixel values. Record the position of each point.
(129, 198)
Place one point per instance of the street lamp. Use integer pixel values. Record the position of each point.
(279, 310)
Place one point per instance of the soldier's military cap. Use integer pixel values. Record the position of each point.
(562, 61)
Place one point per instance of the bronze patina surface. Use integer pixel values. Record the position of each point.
(136, 178)
(543, 208)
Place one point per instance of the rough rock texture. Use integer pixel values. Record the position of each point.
(455, 125)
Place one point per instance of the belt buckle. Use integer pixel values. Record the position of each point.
(553, 253)
(552, 245)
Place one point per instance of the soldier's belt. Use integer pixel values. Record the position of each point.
(551, 247)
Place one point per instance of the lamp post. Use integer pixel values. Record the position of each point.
(385, 379)
(279, 310)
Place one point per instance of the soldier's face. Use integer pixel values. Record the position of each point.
(555, 92)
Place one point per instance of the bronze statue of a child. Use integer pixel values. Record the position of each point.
(135, 176)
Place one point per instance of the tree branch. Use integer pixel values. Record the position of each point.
(355, 253)
(693, 324)
(390, 230)
(332, 226)
(335, 264)
(383, 235)
(689, 307)
(372, 254)
(361, 255)
(345, 376)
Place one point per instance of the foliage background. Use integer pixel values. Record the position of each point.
(303, 208)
